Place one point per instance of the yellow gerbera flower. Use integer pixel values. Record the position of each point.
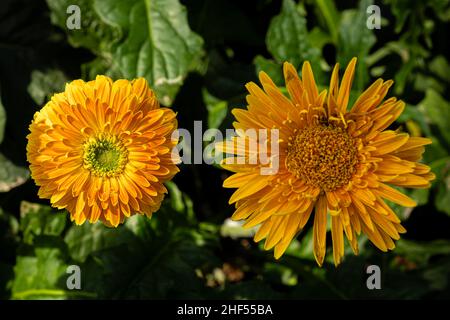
(330, 160)
(102, 150)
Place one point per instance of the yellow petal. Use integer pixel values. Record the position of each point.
(309, 82)
(263, 230)
(389, 143)
(320, 230)
(337, 236)
(346, 85)
(252, 186)
(395, 196)
(293, 83)
(276, 232)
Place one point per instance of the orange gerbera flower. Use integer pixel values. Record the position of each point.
(332, 161)
(102, 150)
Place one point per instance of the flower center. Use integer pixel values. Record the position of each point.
(105, 156)
(322, 156)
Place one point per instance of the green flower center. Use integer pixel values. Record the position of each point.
(105, 156)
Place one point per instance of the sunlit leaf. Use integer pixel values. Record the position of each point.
(37, 219)
(158, 43)
(11, 175)
(44, 84)
(40, 276)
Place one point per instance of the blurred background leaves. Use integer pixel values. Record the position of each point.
(198, 55)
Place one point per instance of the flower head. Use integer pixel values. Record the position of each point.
(334, 163)
(102, 150)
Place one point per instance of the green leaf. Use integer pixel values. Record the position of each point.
(42, 259)
(9, 237)
(9, 224)
(401, 10)
(356, 40)
(440, 166)
(442, 200)
(2, 121)
(44, 84)
(272, 68)
(421, 252)
(303, 248)
(145, 258)
(37, 219)
(38, 276)
(318, 38)
(134, 267)
(287, 38)
(438, 275)
(423, 82)
(94, 33)
(437, 112)
(86, 239)
(217, 109)
(41, 272)
(419, 195)
(329, 13)
(11, 175)
(416, 114)
(158, 43)
(440, 66)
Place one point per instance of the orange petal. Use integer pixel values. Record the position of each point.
(320, 230)
(395, 196)
(346, 85)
